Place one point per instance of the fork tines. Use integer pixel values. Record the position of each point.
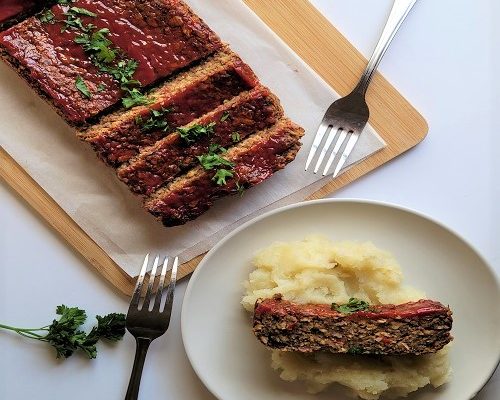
(153, 297)
(343, 141)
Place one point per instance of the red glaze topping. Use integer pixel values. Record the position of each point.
(172, 156)
(390, 311)
(11, 8)
(163, 36)
(127, 139)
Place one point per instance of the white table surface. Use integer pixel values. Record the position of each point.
(443, 61)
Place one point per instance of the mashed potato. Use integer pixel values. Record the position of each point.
(317, 270)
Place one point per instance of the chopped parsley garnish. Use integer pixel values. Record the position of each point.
(122, 71)
(235, 136)
(101, 87)
(82, 87)
(97, 45)
(82, 11)
(66, 337)
(352, 305)
(47, 17)
(213, 160)
(156, 121)
(355, 350)
(194, 132)
(74, 21)
(135, 98)
(111, 60)
(225, 115)
(240, 188)
(221, 175)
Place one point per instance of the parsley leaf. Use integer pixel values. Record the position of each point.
(352, 305)
(216, 148)
(194, 132)
(98, 45)
(210, 161)
(82, 11)
(110, 327)
(240, 188)
(74, 21)
(65, 336)
(225, 115)
(82, 87)
(134, 98)
(47, 17)
(156, 120)
(355, 350)
(235, 136)
(221, 175)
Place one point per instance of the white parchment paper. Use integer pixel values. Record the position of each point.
(34, 135)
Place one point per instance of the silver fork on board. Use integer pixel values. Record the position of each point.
(148, 320)
(346, 118)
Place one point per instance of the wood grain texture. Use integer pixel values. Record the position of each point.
(321, 46)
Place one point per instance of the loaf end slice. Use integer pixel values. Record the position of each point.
(161, 36)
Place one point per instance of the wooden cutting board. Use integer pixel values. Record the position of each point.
(329, 53)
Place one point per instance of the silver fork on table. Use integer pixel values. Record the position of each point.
(346, 118)
(147, 321)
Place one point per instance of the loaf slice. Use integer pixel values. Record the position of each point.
(161, 36)
(416, 328)
(255, 159)
(228, 124)
(120, 136)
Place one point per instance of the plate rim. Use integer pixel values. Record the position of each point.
(347, 200)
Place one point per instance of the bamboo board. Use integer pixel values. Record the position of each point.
(330, 54)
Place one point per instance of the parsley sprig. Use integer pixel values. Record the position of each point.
(47, 17)
(74, 20)
(156, 120)
(97, 44)
(65, 336)
(82, 87)
(352, 305)
(194, 132)
(213, 160)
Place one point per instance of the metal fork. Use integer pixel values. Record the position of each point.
(346, 118)
(148, 321)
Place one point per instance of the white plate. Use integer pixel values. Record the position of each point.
(233, 365)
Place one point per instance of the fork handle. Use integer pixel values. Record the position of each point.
(142, 346)
(399, 11)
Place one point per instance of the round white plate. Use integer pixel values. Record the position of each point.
(233, 365)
